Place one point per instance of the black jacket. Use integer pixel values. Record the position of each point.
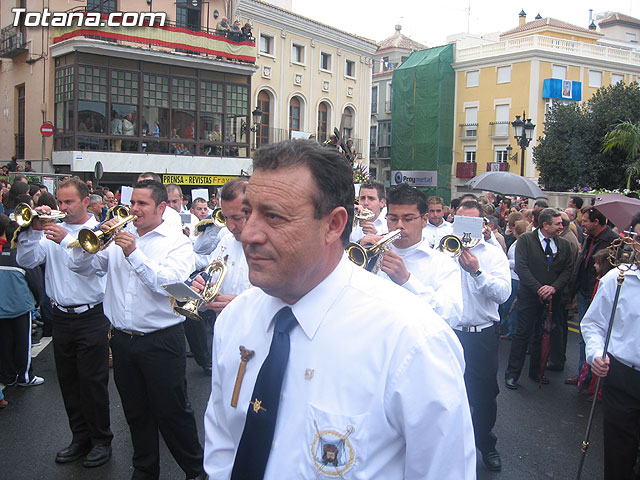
(583, 278)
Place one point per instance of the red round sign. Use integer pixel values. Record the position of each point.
(46, 129)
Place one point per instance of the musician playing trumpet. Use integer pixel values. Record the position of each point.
(412, 263)
(371, 198)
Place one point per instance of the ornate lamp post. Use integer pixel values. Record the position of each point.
(523, 133)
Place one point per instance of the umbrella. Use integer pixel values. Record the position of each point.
(617, 208)
(505, 183)
(545, 345)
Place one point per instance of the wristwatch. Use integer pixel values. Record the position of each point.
(476, 274)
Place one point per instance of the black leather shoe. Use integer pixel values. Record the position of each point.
(492, 460)
(555, 367)
(202, 476)
(73, 452)
(545, 380)
(98, 455)
(511, 384)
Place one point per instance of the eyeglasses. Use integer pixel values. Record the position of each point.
(405, 218)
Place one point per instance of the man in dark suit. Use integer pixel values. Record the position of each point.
(543, 263)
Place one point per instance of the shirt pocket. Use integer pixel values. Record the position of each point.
(336, 445)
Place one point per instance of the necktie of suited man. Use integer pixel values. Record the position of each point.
(548, 253)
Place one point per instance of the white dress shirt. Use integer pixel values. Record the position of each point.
(379, 223)
(369, 363)
(63, 286)
(208, 240)
(236, 280)
(481, 295)
(433, 234)
(173, 220)
(134, 298)
(435, 277)
(511, 255)
(625, 339)
(552, 242)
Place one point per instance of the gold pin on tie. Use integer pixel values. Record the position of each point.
(308, 373)
(257, 405)
(245, 356)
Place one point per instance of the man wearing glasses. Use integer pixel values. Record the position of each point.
(412, 263)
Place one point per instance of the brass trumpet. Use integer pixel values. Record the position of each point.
(452, 245)
(23, 214)
(217, 220)
(370, 258)
(190, 308)
(119, 211)
(93, 240)
(363, 215)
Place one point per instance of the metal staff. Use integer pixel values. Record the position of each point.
(622, 255)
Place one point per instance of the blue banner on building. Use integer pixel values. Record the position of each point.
(562, 89)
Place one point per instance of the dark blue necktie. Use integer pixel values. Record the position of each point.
(257, 436)
(548, 253)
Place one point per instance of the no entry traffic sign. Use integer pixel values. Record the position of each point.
(46, 129)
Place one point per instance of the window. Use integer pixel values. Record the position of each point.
(469, 155)
(297, 53)
(502, 155)
(188, 15)
(373, 136)
(559, 71)
(266, 44)
(595, 79)
(325, 61)
(323, 121)
(471, 123)
(504, 74)
(294, 114)
(347, 122)
(20, 132)
(502, 121)
(374, 99)
(387, 104)
(473, 78)
(102, 6)
(631, 37)
(350, 68)
(384, 139)
(264, 104)
(616, 78)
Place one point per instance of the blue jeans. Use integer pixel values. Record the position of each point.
(509, 322)
(583, 306)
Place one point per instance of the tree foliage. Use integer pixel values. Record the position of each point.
(626, 137)
(571, 151)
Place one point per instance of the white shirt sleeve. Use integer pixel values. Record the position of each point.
(31, 249)
(595, 322)
(495, 280)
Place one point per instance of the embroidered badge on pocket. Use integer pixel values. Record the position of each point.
(332, 452)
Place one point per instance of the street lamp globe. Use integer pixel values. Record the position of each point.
(528, 129)
(518, 126)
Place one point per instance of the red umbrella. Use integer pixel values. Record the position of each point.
(545, 345)
(617, 208)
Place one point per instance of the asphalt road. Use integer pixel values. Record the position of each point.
(539, 431)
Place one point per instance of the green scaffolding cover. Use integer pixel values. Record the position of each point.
(422, 116)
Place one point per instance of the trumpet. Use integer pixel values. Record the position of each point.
(217, 220)
(93, 240)
(119, 211)
(370, 258)
(211, 289)
(452, 245)
(23, 214)
(364, 215)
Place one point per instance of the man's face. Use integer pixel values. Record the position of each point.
(368, 198)
(435, 214)
(235, 217)
(175, 200)
(571, 203)
(90, 185)
(96, 207)
(552, 229)
(467, 212)
(110, 198)
(591, 227)
(200, 210)
(285, 245)
(69, 202)
(408, 220)
(143, 205)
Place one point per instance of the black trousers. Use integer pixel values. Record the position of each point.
(559, 338)
(15, 349)
(531, 315)
(621, 407)
(149, 372)
(81, 351)
(197, 333)
(481, 359)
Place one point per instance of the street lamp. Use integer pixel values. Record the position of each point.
(257, 119)
(523, 133)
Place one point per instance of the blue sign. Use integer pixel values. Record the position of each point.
(562, 89)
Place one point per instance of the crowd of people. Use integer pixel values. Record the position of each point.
(294, 319)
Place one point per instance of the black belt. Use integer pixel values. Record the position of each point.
(75, 309)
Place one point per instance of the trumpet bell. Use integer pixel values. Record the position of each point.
(117, 211)
(357, 254)
(451, 245)
(212, 287)
(24, 215)
(90, 241)
(188, 309)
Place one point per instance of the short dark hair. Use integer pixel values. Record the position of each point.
(233, 188)
(198, 200)
(595, 214)
(455, 203)
(150, 176)
(4, 223)
(10, 200)
(158, 190)
(578, 201)
(405, 194)
(506, 201)
(329, 170)
(470, 204)
(78, 184)
(547, 215)
(635, 221)
(372, 184)
(172, 187)
(541, 203)
(47, 199)
(513, 217)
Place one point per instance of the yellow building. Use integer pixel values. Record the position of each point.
(526, 69)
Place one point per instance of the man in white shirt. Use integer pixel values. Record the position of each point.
(620, 368)
(80, 328)
(171, 216)
(371, 197)
(373, 381)
(486, 283)
(437, 227)
(148, 337)
(412, 263)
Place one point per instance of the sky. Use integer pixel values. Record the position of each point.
(429, 22)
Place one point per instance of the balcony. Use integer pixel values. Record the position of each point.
(499, 129)
(268, 135)
(468, 131)
(466, 169)
(497, 167)
(387, 106)
(12, 42)
(170, 38)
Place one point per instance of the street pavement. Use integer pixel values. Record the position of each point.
(539, 431)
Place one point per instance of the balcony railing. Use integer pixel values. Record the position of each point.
(497, 167)
(468, 130)
(380, 152)
(499, 129)
(268, 135)
(19, 144)
(387, 106)
(12, 42)
(170, 37)
(466, 169)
